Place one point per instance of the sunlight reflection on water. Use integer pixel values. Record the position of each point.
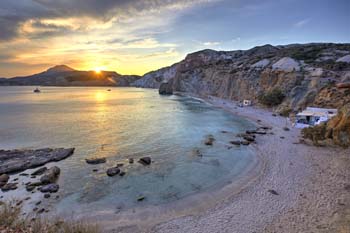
(120, 124)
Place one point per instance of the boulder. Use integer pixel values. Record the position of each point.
(113, 171)
(4, 178)
(50, 188)
(131, 160)
(145, 161)
(50, 175)
(95, 160)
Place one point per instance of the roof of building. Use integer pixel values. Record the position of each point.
(319, 112)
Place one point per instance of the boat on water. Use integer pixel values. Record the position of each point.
(36, 90)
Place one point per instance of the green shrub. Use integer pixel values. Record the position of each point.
(272, 98)
(315, 134)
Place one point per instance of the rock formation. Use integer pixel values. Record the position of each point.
(306, 74)
(315, 75)
(20, 160)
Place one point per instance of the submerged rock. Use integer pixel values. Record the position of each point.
(209, 140)
(249, 138)
(113, 171)
(95, 160)
(145, 161)
(50, 188)
(197, 152)
(20, 160)
(237, 143)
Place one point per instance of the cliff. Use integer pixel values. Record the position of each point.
(307, 74)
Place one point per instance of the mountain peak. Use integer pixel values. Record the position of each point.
(60, 68)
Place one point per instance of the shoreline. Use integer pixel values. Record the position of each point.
(312, 185)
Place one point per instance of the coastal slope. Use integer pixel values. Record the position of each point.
(307, 74)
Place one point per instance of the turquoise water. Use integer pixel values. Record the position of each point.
(120, 124)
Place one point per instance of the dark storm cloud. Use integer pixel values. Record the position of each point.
(15, 12)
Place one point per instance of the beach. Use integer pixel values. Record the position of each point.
(311, 183)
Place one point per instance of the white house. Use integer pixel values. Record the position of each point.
(247, 102)
(314, 116)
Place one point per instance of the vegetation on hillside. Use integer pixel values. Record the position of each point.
(272, 98)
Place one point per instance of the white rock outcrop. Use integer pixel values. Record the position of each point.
(286, 64)
(261, 64)
(344, 59)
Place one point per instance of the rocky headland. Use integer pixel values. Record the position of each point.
(286, 79)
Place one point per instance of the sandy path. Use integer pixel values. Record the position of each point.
(312, 183)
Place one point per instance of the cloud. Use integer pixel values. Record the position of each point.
(211, 43)
(13, 14)
(301, 23)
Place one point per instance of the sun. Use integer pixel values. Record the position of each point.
(97, 70)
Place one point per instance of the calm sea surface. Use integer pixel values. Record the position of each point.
(120, 124)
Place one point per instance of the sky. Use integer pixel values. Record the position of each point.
(135, 37)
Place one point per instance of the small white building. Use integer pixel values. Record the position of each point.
(247, 102)
(314, 116)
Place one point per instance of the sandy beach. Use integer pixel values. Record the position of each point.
(312, 183)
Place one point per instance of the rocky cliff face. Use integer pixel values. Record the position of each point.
(306, 74)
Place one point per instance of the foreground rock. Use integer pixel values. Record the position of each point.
(20, 160)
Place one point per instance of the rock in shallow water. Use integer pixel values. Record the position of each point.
(50, 175)
(209, 140)
(113, 171)
(50, 188)
(95, 160)
(20, 160)
(145, 161)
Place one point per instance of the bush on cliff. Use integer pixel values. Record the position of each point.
(272, 98)
(315, 134)
(336, 129)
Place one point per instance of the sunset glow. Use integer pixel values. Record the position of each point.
(135, 37)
